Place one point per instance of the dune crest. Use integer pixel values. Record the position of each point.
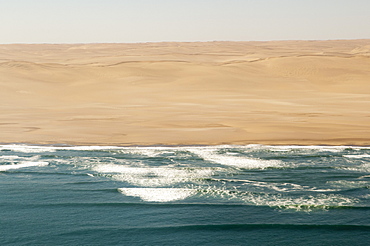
(281, 92)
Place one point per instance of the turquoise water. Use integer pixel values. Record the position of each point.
(219, 195)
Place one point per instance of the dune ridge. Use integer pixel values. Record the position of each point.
(278, 92)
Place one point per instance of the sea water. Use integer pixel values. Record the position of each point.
(189, 195)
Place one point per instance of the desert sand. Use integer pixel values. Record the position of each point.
(200, 93)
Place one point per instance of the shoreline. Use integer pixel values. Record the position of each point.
(67, 145)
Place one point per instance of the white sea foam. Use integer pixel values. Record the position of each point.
(295, 147)
(23, 165)
(305, 148)
(313, 147)
(288, 147)
(305, 203)
(9, 157)
(298, 203)
(362, 168)
(236, 161)
(90, 148)
(39, 149)
(367, 196)
(357, 156)
(155, 150)
(158, 194)
(350, 184)
(27, 148)
(284, 187)
(365, 176)
(157, 176)
(150, 152)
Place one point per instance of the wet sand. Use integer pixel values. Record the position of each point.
(280, 92)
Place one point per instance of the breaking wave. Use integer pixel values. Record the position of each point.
(292, 177)
(158, 194)
(151, 176)
(235, 161)
(23, 165)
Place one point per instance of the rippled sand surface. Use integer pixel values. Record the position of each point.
(283, 92)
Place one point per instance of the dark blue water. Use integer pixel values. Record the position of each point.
(220, 195)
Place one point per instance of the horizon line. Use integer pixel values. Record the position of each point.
(209, 41)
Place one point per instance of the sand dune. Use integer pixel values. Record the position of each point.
(283, 92)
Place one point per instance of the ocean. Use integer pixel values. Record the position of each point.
(187, 195)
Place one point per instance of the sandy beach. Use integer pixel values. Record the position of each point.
(278, 92)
